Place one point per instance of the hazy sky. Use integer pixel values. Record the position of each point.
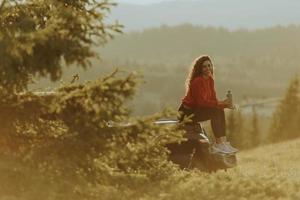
(140, 1)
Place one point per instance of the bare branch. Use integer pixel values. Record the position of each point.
(75, 78)
(111, 75)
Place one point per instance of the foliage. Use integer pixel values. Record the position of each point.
(236, 129)
(244, 131)
(266, 172)
(75, 138)
(37, 36)
(254, 132)
(285, 124)
(70, 136)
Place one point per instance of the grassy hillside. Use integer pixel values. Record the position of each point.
(268, 172)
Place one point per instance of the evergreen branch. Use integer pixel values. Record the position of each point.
(2, 5)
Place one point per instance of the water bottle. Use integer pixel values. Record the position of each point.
(229, 98)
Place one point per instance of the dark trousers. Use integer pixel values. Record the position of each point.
(215, 115)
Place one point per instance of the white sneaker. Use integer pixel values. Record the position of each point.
(220, 148)
(231, 148)
(226, 148)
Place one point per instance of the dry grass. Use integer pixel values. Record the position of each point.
(268, 172)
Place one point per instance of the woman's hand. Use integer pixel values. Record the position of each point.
(224, 104)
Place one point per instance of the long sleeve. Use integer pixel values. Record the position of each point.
(203, 94)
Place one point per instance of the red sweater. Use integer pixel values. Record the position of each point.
(201, 93)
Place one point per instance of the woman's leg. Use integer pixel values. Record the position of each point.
(217, 119)
(216, 116)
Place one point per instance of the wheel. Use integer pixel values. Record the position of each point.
(203, 161)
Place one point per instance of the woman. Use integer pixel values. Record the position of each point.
(201, 103)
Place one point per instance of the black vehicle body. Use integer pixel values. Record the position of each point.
(196, 152)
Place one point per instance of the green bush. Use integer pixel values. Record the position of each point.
(70, 136)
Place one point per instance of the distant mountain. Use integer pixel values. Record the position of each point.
(232, 14)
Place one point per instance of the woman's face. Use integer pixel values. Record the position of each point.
(207, 68)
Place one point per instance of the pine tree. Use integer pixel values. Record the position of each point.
(254, 133)
(67, 136)
(231, 127)
(235, 126)
(285, 124)
(38, 37)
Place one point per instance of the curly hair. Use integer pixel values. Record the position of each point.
(196, 69)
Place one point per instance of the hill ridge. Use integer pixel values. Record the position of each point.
(232, 14)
